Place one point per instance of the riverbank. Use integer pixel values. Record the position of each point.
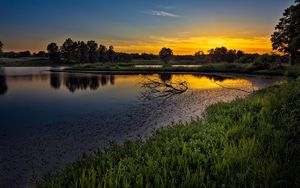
(249, 142)
(24, 62)
(290, 71)
(152, 67)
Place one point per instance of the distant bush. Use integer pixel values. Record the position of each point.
(247, 58)
(268, 61)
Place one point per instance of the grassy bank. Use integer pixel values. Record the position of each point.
(286, 70)
(25, 62)
(247, 68)
(251, 142)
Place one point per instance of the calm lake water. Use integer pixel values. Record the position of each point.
(159, 66)
(49, 119)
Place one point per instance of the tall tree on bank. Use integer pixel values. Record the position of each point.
(53, 51)
(75, 54)
(83, 52)
(111, 54)
(93, 46)
(67, 49)
(286, 35)
(102, 52)
(1, 48)
(165, 55)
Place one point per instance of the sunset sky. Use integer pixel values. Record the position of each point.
(139, 26)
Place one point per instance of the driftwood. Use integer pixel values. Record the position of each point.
(156, 89)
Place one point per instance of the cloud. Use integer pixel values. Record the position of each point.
(161, 13)
(166, 7)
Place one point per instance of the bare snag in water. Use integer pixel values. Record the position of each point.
(156, 89)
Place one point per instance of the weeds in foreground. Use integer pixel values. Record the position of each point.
(252, 142)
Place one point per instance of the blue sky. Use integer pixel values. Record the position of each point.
(32, 24)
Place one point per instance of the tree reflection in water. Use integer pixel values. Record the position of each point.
(219, 79)
(161, 87)
(55, 80)
(104, 80)
(112, 80)
(3, 84)
(94, 83)
(165, 77)
(78, 82)
(214, 78)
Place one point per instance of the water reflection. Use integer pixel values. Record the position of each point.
(3, 84)
(43, 125)
(212, 77)
(55, 81)
(165, 77)
(112, 79)
(15, 79)
(162, 87)
(76, 82)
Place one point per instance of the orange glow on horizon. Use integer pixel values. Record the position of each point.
(180, 45)
(190, 45)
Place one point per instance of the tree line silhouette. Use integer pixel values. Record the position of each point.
(90, 52)
(285, 39)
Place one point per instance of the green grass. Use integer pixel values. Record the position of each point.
(251, 142)
(24, 62)
(249, 68)
(285, 70)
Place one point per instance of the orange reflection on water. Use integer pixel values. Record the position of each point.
(206, 82)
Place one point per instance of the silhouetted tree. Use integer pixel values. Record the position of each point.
(295, 47)
(67, 49)
(287, 31)
(1, 48)
(111, 54)
(40, 54)
(246, 58)
(218, 54)
(165, 55)
(239, 54)
(53, 52)
(199, 55)
(24, 54)
(145, 56)
(123, 57)
(75, 53)
(93, 46)
(83, 52)
(102, 52)
(231, 56)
